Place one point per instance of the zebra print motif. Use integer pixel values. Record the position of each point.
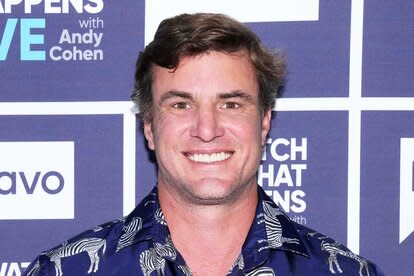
(153, 259)
(262, 271)
(151, 199)
(35, 269)
(149, 202)
(130, 230)
(90, 245)
(239, 263)
(159, 217)
(106, 225)
(333, 249)
(275, 238)
(185, 270)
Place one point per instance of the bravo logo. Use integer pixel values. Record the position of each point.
(30, 186)
(406, 188)
(36, 180)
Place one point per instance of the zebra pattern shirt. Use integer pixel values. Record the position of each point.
(140, 244)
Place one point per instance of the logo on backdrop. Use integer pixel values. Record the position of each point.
(37, 180)
(281, 174)
(13, 268)
(81, 42)
(406, 187)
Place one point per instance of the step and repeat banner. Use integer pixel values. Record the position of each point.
(339, 157)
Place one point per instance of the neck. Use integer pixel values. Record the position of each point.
(210, 233)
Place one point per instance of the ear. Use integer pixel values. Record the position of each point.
(267, 118)
(149, 135)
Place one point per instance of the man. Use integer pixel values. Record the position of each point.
(205, 88)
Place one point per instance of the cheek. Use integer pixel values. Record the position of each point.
(169, 131)
(248, 132)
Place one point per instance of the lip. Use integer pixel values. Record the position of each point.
(209, 157)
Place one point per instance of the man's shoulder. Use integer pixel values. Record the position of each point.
(100, 239)
(327, 251)
(103, 241)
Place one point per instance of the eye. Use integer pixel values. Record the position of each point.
(181, 105)
(230, 105)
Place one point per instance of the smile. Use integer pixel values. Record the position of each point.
(209, 158)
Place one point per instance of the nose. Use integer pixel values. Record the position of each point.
(206, 125)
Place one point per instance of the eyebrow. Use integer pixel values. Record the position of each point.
(173, 94)
(222, 96)
(235, 94)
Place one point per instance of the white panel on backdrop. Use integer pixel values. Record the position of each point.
(406, 188)
(244, 11)
(36, 180)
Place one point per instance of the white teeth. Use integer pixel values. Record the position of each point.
(210, 158)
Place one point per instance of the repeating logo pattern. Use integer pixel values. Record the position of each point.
(37, 180)
(342, 69)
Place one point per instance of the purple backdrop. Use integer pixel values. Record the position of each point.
(320, 123)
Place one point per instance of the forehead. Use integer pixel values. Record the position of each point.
(207, 73)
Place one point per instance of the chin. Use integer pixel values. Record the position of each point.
(214, 195)
(211, 200)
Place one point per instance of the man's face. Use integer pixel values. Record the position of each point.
(207, 129)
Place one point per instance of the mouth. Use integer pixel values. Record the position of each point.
(209, 158)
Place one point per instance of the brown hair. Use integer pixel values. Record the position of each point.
(194, 34)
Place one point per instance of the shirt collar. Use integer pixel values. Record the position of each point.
(153, 228)
(147, 219)
(271, 230)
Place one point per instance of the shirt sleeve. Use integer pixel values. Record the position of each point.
(40, 267)
(375, 270)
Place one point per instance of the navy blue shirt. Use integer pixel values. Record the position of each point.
(140, 244)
